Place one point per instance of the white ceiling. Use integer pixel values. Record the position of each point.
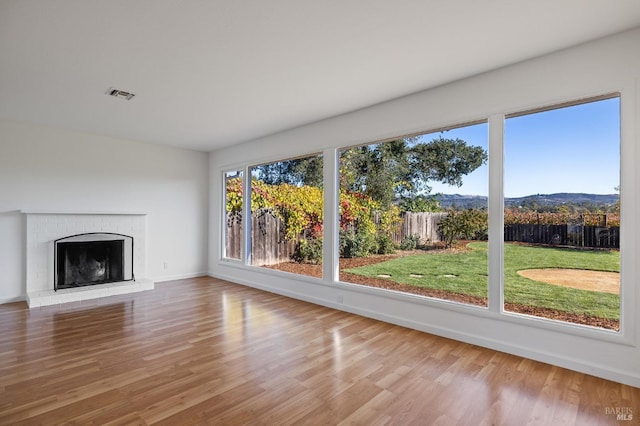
(207, 74)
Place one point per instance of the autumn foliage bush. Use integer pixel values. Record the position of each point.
(526, 217)
(300, 208)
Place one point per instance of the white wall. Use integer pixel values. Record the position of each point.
(54, 170)
(604, 66)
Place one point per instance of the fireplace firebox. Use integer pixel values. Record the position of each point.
(92, 258)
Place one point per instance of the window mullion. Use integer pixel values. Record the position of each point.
(246, 217)
(496, 213)
(330, 249)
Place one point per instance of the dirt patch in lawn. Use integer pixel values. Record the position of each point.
(606, 282)
(316, 271)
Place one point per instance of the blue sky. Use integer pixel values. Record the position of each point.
(573, 149)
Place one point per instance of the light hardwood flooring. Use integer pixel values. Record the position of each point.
(205, 351)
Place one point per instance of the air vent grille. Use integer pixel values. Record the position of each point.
(120, 94)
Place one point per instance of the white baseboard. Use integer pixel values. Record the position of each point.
(163, 278)
(21, 298)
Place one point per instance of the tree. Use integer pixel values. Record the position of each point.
(388, 172)
(445, 160)
(382, 171)
(298, 172)
(391, 171)
(421, 203)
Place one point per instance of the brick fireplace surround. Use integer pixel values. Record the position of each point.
(43, 228)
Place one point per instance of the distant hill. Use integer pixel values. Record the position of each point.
(462, 201)
(542, 200)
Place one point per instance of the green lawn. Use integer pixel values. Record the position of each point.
(466, 273)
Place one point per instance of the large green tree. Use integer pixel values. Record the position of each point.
(402, 169)
(299, 171)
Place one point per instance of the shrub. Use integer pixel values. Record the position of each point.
(385, 244)
(410, 242)
(308, 251)
(471, 224)
(355, 243)
(365, 228)
(234, 196)
(357, 211)
(300, 208)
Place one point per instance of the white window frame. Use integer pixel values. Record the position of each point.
(495, 308)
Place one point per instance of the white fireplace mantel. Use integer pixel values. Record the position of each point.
(44, 227)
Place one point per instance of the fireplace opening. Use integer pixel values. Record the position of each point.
(93, 258)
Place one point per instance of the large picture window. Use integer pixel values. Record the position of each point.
(287, 214)
(562, 213)
(413, 215)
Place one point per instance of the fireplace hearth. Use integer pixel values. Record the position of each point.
(91, 259)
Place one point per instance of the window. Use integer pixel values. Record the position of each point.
(286, 215)
(413, 214)
(562, 213)
(233, 182)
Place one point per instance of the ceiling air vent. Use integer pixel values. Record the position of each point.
(120, 94)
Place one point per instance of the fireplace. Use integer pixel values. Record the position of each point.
(92, 258)
(47, 231)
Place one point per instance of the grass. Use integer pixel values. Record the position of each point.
(466, 273)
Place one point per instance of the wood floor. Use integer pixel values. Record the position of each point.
(205, 351)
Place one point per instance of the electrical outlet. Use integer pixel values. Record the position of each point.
(166, 265)
(340, 299)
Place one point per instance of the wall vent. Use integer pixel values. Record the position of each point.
(120, 94)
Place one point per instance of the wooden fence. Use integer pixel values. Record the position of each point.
(424, 225)
(269, 245)
(233, 236)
